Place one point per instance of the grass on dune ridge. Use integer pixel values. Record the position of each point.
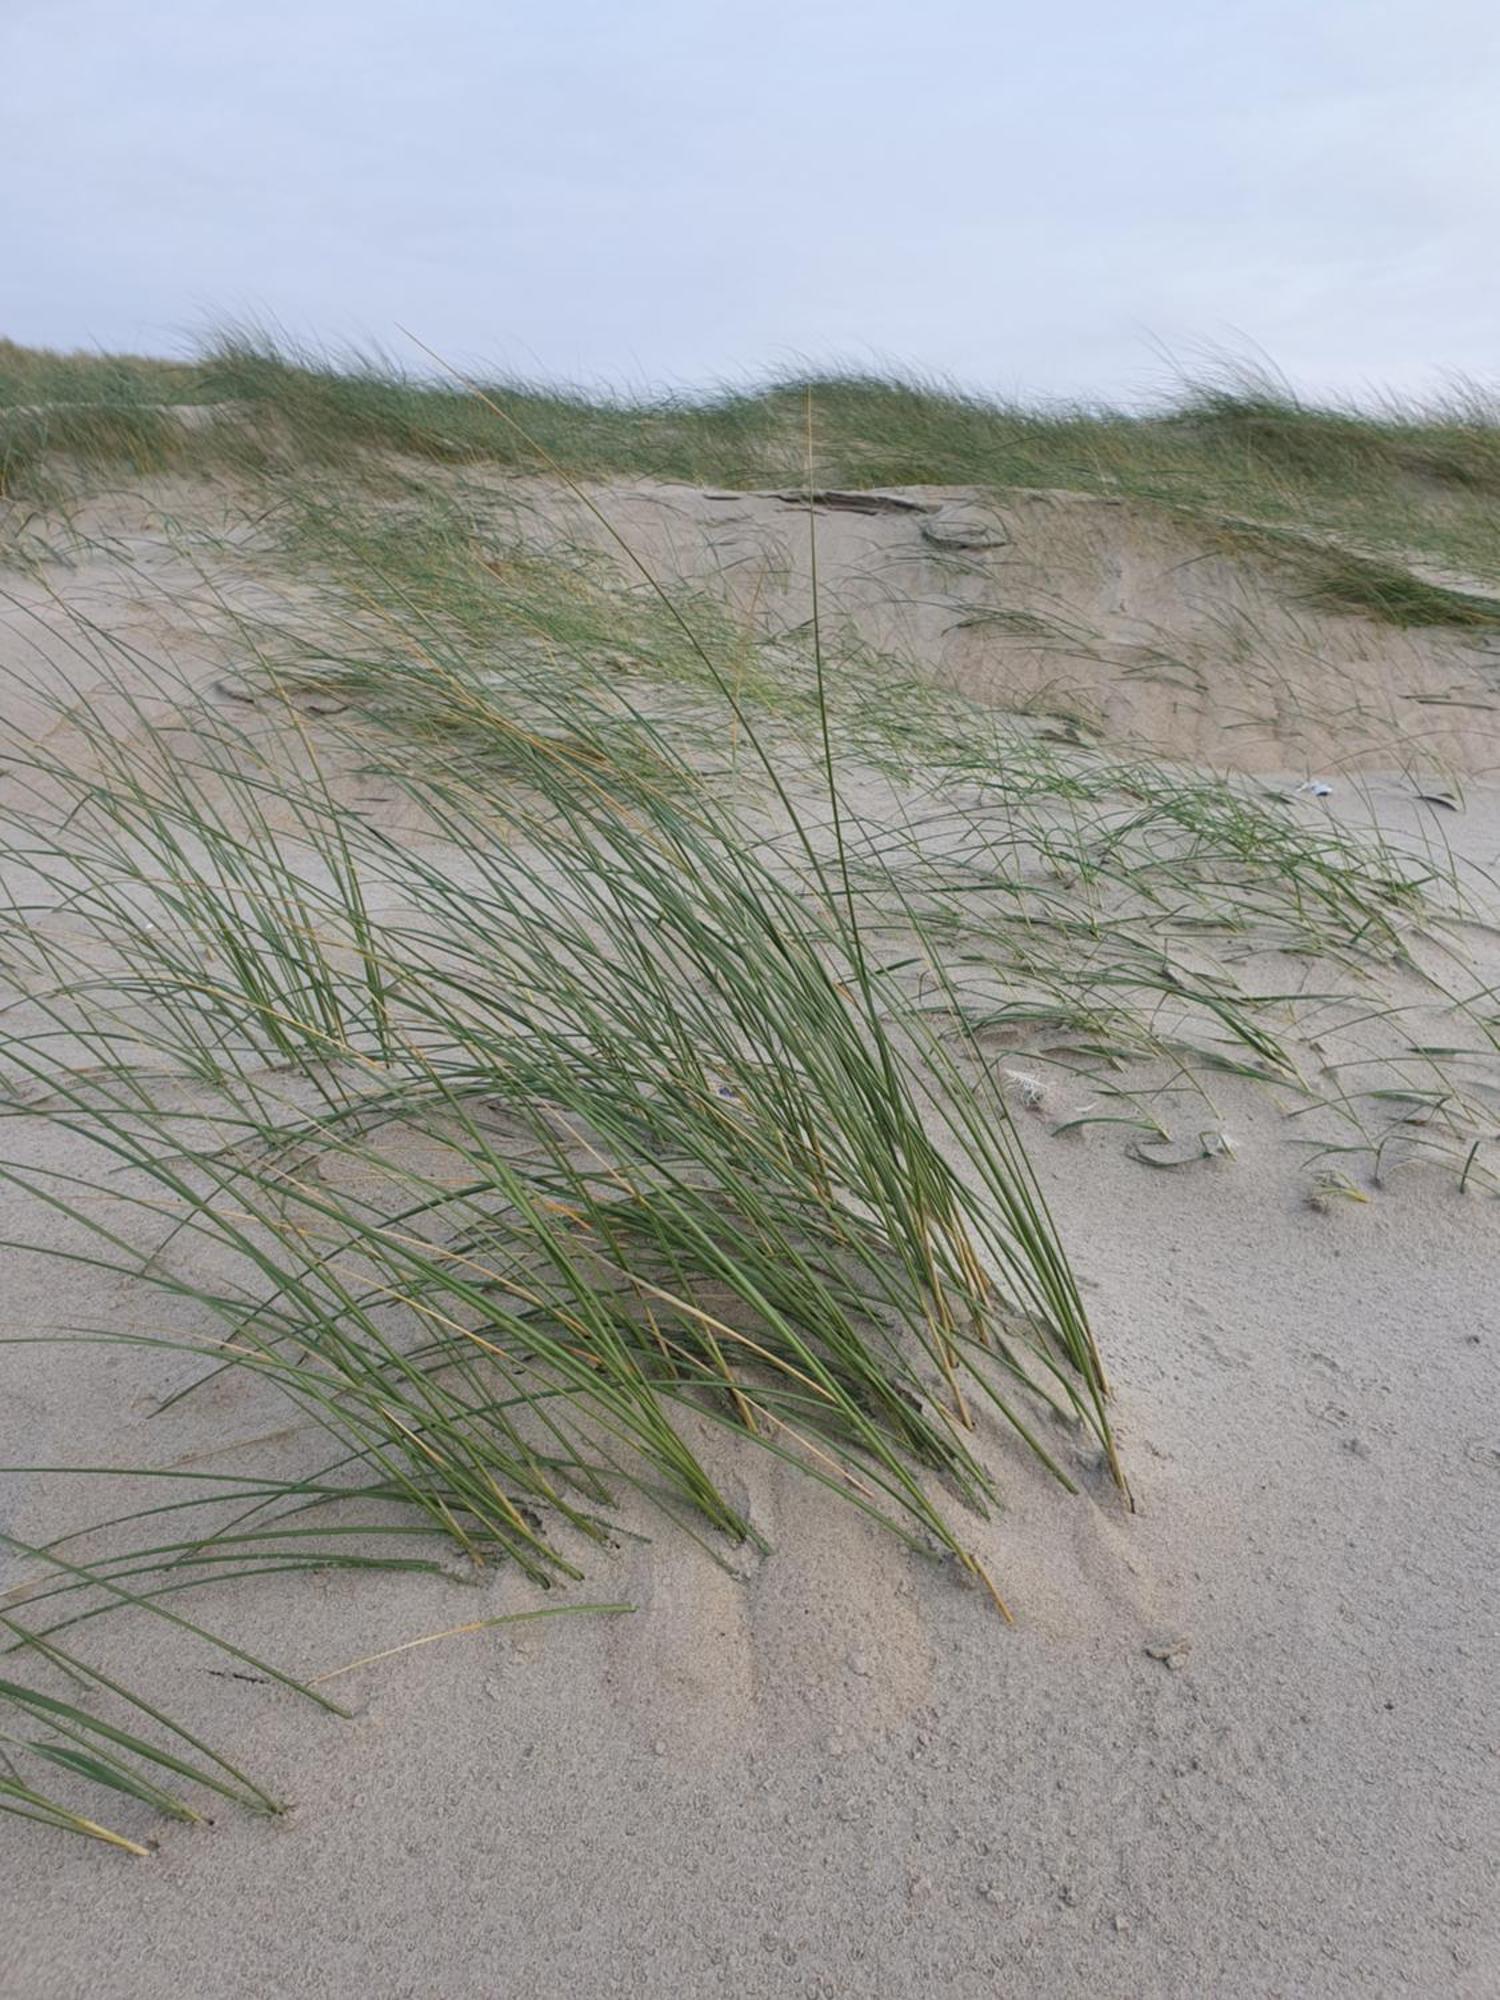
(1394, 482)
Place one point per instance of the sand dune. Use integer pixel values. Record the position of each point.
(1242, 1741)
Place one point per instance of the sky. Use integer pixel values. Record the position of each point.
(1071, 199)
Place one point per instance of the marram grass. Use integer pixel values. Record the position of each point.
(639, 1100)
(1393, 479)
(530, 1153)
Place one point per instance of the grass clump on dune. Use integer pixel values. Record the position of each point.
(689, 1093)
(1061, 888)
(126, 438)
(1347, 581)
(528, 1157)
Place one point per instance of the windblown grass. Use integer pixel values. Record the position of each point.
(633, 1094)
(1351, 582)
(530, 1154)
(124, 438)
(32, 375)
(88, 1735)
(700, 1101)
(1062, 889)
(1399, 481)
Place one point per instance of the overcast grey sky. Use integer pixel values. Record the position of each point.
(1025, 196)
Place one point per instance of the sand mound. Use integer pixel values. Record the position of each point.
(1121, 621)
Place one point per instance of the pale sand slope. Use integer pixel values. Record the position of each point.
(1123, 619)
(838, 1774)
